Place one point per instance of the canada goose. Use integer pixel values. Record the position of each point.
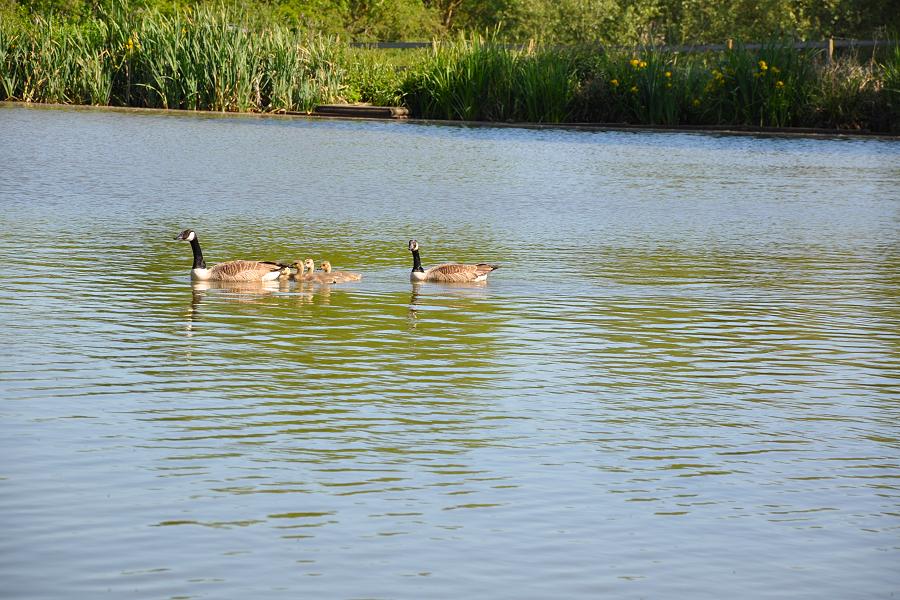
(306, 271)
(339, 276)
(233, 270)
(447, 272)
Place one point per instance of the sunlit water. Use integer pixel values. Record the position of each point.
(682, 382)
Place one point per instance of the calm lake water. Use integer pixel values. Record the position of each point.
(684, 381)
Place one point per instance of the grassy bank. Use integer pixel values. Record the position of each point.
(216, 59)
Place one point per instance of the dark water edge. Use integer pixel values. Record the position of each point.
(787, 132)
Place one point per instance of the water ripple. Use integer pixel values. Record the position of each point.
(682, 381)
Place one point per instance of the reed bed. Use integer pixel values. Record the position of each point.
(478, 80)
(213, 58)
(210, 59)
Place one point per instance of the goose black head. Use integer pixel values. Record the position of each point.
(187, 235)
(413, 245)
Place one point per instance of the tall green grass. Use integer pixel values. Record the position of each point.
(478, 79)
(59, 62)
(207, 58)
(890, 92)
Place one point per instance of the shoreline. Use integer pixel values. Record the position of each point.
(738, 130)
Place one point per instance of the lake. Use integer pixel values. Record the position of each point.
(683, 381)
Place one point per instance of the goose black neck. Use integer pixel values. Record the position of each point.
(199, 263)
(417, 262)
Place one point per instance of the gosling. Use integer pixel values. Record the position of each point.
(339, 276)
(306, 271)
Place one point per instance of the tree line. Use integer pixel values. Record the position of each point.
(611, 22)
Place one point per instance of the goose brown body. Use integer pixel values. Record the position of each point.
(234, 270)
(448, 272)
(456, 273)
(245, 270)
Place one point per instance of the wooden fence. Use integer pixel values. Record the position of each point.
(828, 45)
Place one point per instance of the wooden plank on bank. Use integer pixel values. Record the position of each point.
(365, 111)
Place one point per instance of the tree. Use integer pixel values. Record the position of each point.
(446, 9)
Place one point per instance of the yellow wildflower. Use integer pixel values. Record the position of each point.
(696, 102)
(643, 64)
(614, 82)
(634, 89)
(779, 84)
(132, 42)
(668, 85)
(635, 63)
(668, 73)
(762, 65)
(775, 70)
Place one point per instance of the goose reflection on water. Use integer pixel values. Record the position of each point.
(246, 292)
(255, 292)
(421, 292)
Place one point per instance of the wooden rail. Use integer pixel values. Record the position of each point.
(828, 45)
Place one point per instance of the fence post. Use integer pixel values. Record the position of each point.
(830, 50)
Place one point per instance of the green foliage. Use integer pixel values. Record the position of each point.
(612, 22)
(236, 59)
(775, 86)
(767, 87)
(635, 22)
(465, 79)
(60, 62)
(544, 87)
(846, 95)
(372, 78)
(477, 79)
